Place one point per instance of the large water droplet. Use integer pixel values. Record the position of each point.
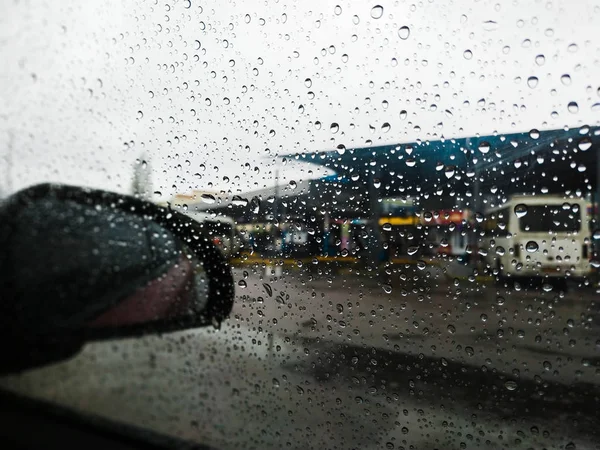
(596, 235)
(520, 210)
(404, 32)
(532, 82)
(540, 60)
(386, 127)
(510, 385)
(334, 127)
(467, 54)
(584, 144)
(292, 184)
(208, 198)
(377, 11)
(403, 114)
(484, 147)
(268, 289)
(573, 107)
(532, 246)
(242, 284)
(449, 171)
(239, 201)
(534, 134)
(565, 79)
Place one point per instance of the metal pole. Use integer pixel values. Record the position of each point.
(374, 209)
(596, 207)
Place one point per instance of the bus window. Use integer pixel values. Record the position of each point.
(550, 218)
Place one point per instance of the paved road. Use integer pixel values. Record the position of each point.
(347, 362)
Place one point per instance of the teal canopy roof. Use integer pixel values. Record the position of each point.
(534, 161)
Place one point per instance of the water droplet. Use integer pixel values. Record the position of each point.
(337, 10)
(540, 60)
(520, 210)
(532, 246)
(292, 184)
(490, 25)
(532, 82)
(467, 54)
(341, 149)
(276, 382)
(412, 249)
(387, 288)
(484, 147)
(565, 79)
(411, 162)
(500, 251)
(584, 144)
(451, 329)
(404, 32)
(596, 235)
(308, 82)
(334, 127)
(208, 198)
(547, 287)
(239, 201)
(268, 289)
(534, 134)
(387, 226)
(573, 107)
(377, 12)
(449, 171)
(403, 114)
(386, 127)
(197, 44)
(242, 284)
(247, 18)
(510, 385)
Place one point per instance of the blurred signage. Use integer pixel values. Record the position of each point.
(397, 208)
(397, 221)
(445, 217)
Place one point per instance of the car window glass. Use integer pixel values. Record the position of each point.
(406, 191)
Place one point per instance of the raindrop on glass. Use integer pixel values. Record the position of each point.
(404, 32)
(573, 107)
(521, 210)
(377, 12)
(532, 247)
(532, 82)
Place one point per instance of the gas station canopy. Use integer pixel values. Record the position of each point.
(553, 161)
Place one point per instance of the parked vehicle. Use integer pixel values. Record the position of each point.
(541, 236)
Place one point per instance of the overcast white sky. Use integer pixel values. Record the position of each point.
(213, 92)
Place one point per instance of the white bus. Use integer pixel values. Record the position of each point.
(538, 236)
(221, 229)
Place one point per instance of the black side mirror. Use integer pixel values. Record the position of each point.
(80, 264)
